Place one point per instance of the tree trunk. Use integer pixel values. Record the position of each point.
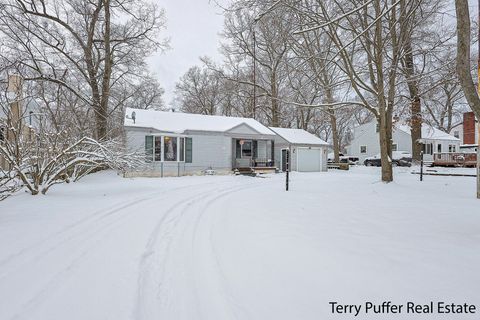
(333, 124)
(274, 102)
(336, 142)
(102, 124)
(387, 170)
(415, 104)
(416, 128)
(464, 67)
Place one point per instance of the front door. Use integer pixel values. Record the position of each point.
(284, 159)
(244, 152)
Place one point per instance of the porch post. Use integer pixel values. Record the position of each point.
(272, 156)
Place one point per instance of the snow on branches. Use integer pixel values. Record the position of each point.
(42, 162)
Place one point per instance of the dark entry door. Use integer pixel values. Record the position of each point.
(284, 159)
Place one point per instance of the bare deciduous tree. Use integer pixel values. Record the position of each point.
(89, 48)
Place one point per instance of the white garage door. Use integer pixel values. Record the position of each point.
(309, 159)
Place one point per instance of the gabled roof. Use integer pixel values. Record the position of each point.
(178, 122)
(298, 136)
(429, 133)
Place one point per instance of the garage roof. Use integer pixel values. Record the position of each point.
(298, 136)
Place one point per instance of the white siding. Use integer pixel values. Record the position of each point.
(209, 151)
(366, 135)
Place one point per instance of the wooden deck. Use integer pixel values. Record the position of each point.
(451, 159)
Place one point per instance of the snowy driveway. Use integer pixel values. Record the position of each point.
(237, 247)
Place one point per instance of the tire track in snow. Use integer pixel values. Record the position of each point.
(221, 281)
(65, 272)
(147, 278)
(146, 261)
(82, 230)
(91, 218)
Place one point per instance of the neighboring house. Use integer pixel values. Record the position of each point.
(467, 132)
(366, 141)
(308, 153)
(178, 144)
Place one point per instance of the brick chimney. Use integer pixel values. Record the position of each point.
(469, 129)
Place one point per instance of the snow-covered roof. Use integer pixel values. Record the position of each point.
(298, 136)
(178, 122)
(429, 133)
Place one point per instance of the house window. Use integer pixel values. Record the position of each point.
(158, 148)
(170, 149)
(188, 150)
(394, 147)
(427, 148)
(456, 134)
(363, 149)
(377, 128)
(452, 148)
(149, 148)
(439, 148)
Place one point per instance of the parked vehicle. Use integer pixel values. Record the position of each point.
(400, 159)
(344, 159)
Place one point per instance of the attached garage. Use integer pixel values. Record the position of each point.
(308, 153)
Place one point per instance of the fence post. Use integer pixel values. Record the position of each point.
(421, 166)
(161, 170)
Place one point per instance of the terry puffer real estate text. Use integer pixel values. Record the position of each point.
(388, 307)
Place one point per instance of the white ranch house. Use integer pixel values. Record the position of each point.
(366, 141)
(179, 144)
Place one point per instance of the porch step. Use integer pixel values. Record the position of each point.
(245, 171)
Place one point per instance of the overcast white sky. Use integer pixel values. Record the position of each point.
(193, 27)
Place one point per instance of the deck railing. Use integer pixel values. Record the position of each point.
(456, 159)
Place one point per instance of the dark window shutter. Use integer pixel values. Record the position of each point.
(188, 150)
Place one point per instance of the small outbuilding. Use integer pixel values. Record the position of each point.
(308, 153)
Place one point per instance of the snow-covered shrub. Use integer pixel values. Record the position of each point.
(9, 184)
(40, 160)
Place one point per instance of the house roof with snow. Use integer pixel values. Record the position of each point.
(178, 122)
(429, 132)
(298, 136)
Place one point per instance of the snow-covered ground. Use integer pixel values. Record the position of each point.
(226, 247)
